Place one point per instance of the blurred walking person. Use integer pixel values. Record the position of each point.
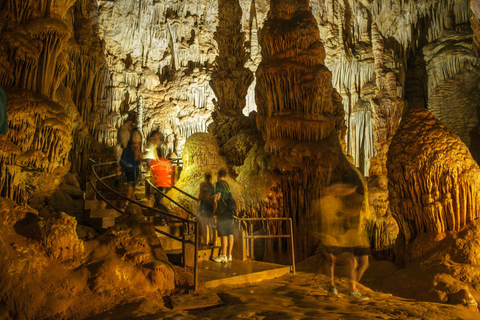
(341, 234)
(206, 211)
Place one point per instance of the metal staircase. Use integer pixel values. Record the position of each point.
(104, 203)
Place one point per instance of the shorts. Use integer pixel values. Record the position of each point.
(206, 220)
(225, 228)
(357, 251)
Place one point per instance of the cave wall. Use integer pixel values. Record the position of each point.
(150, 63)
(33, 63)
(183, 36)
(163, 52)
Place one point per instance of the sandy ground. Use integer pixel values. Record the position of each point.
(300, 296)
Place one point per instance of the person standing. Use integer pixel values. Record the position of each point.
(130, 163)
(206, 210)
(225, 210)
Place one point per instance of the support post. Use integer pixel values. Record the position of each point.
(292, 244)
(195, 261)
(184, 251)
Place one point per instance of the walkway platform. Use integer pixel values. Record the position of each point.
(214, 274)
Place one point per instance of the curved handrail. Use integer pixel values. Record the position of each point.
(186, 221)
(105, 199)
(173, 201)
(134, 201)
(187, 194)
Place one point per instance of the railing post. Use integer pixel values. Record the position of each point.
(184, 260)
(292, 244)
(147, 190)
(195, 261)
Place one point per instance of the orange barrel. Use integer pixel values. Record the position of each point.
(162, 172)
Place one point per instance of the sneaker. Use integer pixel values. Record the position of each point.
(333, 291)
(163, 223)
(357, 295)
(221, 258)
(229, 258)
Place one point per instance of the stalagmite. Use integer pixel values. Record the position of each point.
(300, 116)
(434, 183)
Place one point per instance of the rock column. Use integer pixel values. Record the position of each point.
(230, 80)
(300, 116)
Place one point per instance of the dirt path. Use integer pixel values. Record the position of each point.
(300, 296)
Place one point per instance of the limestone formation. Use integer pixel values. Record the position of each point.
(34, 153)
(230, 80)
(346, 27)
(64, 277)
(301, 123)
(164, 51)
(387, 110)
(434, 183)
(201, 155)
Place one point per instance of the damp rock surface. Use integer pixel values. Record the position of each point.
(65, 277)
(304, 295)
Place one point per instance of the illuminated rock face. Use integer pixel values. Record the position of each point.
(201, 155)
(294, 93)
(34, 153)
(110, 55)
(300, 116)
(70, 278)
(434, 183)
(42, 116)
(231, 80)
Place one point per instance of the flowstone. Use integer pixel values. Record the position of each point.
(434, 183)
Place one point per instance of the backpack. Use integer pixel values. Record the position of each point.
(228, 205)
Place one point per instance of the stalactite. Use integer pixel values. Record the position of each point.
(37, 145)
(23, 53)
(140, 114)
(231, 79)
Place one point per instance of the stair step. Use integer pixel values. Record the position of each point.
(175, 256)
(176, 230)
(101, 224)
(239, 272)
(169, 244)
(104, 213)
(94, 204)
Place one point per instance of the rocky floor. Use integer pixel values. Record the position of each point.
(300, 296)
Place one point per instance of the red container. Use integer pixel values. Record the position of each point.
(162, 172)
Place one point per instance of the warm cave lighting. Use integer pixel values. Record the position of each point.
(282, 159)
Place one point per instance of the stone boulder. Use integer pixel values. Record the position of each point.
(63, 277)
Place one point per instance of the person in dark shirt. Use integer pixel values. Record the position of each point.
(130, 163)
(223, 198)
(206, 210)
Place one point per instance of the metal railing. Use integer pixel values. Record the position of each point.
(194, 222)
(185, 221)
(270, 236)
(177, 162)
